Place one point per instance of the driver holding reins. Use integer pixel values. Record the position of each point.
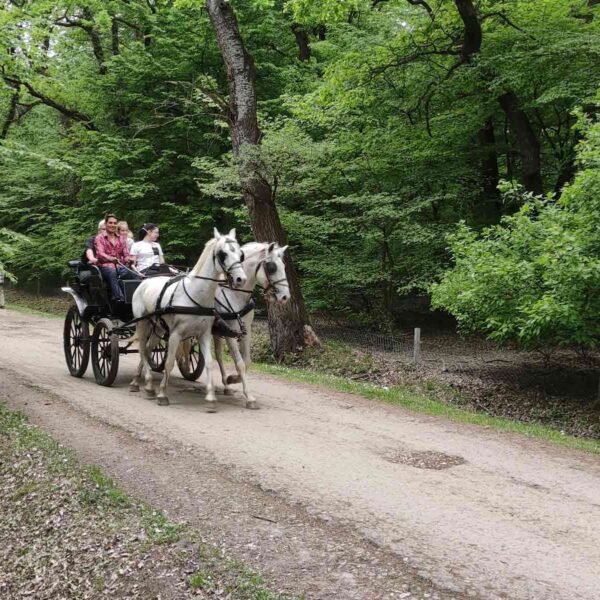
(112, 255)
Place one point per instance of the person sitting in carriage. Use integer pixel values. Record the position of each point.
(148, 253)
(89, 254)
(113, 256)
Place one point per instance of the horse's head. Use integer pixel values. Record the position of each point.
(271, 275)
(228, 258)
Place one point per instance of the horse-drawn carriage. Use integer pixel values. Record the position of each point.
(98, 327)
(174, 319)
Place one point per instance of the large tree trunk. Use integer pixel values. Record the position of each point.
(528, 142)
(289, 325)
(526, 138)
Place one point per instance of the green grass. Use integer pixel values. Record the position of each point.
(100, 490)
(45, 306)
(410, 400)
(158, 527)
(34, 311)
(245, 583)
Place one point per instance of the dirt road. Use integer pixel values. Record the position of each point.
(326, 493)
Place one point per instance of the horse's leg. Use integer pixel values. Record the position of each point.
(240, 366)
(205, 345)
(174, 341)
(218, 341)
(141, 332)
(238, 376)
(145, 349)
(244, 346)
(245, 343)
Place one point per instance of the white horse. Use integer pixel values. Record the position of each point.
(195, 293)
(263, 265)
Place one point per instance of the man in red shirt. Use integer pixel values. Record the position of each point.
(112, 254)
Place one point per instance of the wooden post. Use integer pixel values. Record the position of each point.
(417, 347)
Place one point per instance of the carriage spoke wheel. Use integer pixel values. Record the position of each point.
(76, 342)
(105, 353)
(158, 355)
(192, 364)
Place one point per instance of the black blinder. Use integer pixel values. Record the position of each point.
(222, 256)
(271, 267)
(242, 256)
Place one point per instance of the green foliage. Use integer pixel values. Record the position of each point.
(534, 279)
(372, 147)
(9, 240)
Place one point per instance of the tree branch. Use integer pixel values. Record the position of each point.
(508, 22)
(424, 5)
(61, 108)
(66, 21)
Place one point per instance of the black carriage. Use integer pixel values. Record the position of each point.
(112, 330)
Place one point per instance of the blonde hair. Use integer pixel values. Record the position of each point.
(124, 225)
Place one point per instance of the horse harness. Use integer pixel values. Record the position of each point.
(220, 326)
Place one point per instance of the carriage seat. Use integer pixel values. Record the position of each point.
(86, 279)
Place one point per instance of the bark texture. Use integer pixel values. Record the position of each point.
(289, 325)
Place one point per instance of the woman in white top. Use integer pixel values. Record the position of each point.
(147, 251)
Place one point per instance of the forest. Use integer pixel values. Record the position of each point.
(403, 148)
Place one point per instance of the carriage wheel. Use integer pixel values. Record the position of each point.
(105, 352)
(158, 356)
(192, 365)
(76, 342)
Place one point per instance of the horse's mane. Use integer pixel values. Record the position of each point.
(206, 254)
(252, 248)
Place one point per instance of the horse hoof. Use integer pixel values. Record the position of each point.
(150, 393)
(212, 407)
(228, 391)
(134, 387)
(162, 401)
(252, 405)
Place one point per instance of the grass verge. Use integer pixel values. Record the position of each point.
(66, 530)
(44, 306)
(418, 402)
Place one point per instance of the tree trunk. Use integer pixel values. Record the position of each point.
(11, 114)
(96, 41)
(488, 212)
(302, 41)
(472, 35)
(289, 325)
(528, 142)
(114, 34)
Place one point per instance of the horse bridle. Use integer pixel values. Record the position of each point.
(220, 257)
(270, 268)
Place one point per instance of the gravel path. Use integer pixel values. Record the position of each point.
(324, 493)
